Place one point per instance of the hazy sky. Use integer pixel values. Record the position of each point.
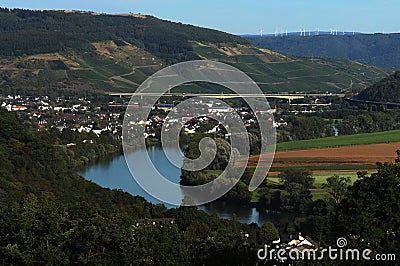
(247, 16)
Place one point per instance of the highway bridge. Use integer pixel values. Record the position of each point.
(288, 96)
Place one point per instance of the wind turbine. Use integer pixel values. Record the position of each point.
(261, 32)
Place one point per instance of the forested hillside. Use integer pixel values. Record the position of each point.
(63, 52)
(373, 49)
(386, 90)
(54, 31)
(32, 163)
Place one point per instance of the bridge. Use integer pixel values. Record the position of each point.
(288, 96)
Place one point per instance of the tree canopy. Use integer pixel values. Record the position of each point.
(370, 210)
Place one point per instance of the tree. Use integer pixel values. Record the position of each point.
(197, 230)
(337, 187)
(239, 193)
(222, 155)
(297, 175)
(158, 211)
(269, 233)
(370, 210)
(297, 199)
(297, 183)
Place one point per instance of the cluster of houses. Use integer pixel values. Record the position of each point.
(75, 113)
(198, 111)
(82, 115)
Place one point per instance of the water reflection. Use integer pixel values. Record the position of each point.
(114, 173)
(246, 214)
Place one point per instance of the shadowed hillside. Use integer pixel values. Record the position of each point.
(373, 49)
(386, 90)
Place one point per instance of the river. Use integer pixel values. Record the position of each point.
(114, 173)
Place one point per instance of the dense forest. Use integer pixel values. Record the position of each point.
(386, 90)
(373, 49)
(25, 32)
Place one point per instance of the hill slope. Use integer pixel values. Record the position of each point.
(68, 52)
(30, 163)
(386, 90)
(374, 49)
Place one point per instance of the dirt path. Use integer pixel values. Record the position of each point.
(122, 79)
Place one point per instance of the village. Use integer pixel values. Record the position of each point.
(86, 115)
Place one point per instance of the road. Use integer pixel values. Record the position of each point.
(227, 96)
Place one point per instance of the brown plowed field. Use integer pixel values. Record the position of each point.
(348, 155)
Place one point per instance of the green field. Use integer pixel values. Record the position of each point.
(317, 191)
(320, 178)
(347, 140)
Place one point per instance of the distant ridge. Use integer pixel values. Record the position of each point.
(374, 49)
(136, 15)
(299, 33)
